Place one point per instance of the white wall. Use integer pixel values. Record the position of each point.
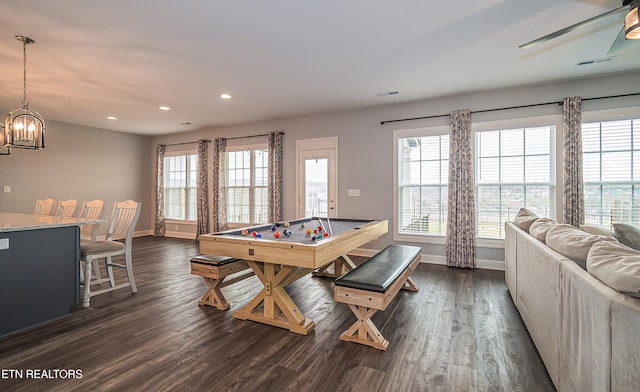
(81, 163)
(365, 146)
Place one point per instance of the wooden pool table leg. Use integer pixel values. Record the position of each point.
(341, 266)
(278, 309)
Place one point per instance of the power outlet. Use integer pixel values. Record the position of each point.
(353, 192)
(4, 243)
(6, 189)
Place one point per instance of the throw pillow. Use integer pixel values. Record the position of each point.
(524, 219)
(627, 234)
(597, 229)
(540, 227)
(617, 265)
(573, 243)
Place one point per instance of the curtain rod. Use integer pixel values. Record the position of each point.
(507, 108)
(180, 144)
(250, 136)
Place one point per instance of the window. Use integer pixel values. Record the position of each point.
(247, 185)
(611, 170)
(423, 175)
(180, 182)
(514, 169)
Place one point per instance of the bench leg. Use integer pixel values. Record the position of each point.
(410, 285)
(364, 331)
(213, 296)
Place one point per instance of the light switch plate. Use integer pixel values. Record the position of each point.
(4, 243)
(7, 189)
(354, 192)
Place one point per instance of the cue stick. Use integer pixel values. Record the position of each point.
(329, 224)
(321, 225)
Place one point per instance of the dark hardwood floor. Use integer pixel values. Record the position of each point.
(460, 332)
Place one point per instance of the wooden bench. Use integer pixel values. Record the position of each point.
(214, 270)
(372, 286)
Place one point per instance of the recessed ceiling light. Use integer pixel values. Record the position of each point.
(112, 118)
(164, 108)
(225, 96)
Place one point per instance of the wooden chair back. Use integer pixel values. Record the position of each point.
(93, 209)
(67, 208)
(44, 207)
(123, 220)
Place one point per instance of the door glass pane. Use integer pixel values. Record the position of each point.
(316, 187)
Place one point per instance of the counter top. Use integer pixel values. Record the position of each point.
(11, 221)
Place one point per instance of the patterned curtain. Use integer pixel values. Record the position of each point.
(219, 185)
(275, 176)
(160, 226)
(461, 225)
(203, 188)
(573, 185)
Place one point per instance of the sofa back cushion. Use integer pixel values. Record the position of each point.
(540, 227)
(573, 243)
(616, 265)
(597, 229)
(627, 234)
(524, 219)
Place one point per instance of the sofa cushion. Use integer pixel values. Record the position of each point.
(573, 243)
(627, 234)
(524, 219)
(597, 229)
(617, 265)
(540, 227)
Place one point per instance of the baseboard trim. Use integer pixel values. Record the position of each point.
(496, 265)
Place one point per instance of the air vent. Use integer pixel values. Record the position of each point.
(595, 61)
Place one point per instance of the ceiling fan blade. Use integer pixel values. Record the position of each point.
(620, 43)
(569, 29)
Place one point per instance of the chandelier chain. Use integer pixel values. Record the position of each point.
(25, 103)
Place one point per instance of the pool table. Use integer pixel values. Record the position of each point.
(278, 262)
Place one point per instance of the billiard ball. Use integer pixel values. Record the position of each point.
(319, 228)
(308, 231)
(286, 224)
(254, 233)
(313, 238)
(245, 232)
(302, 224)
(276, 234)
(273, 228)
(258, 235)
(315, 232)
(287, 233)
(325, 234)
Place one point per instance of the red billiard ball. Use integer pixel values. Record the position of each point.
(276, 234)
(254, 233)
(245, 232)
(325, 234)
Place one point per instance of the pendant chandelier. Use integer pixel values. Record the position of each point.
(24, 128)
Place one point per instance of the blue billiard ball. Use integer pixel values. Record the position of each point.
(258, 235)
(273, 228)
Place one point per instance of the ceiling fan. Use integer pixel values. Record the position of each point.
(629, 34)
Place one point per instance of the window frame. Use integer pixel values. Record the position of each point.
(557, 167)
(251, 187)
(610, 115)
(436, 130)
(174, 153)
(524, 122)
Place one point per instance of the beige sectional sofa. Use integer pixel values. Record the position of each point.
(587, 333)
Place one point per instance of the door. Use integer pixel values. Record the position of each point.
(317, 178)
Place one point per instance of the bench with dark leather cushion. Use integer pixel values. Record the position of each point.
(379, 272)
(213, 260)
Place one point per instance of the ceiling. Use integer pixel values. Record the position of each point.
(283, 58)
